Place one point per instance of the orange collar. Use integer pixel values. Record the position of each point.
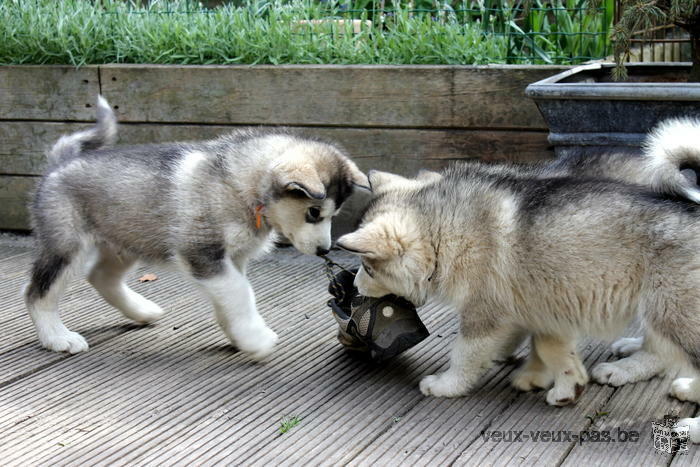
(258, 215)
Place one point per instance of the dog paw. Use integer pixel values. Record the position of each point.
(259, 343)
(443, 385)
(627, 345)
(569, 384)
(64, 341)
(683, 389)
(146, 312)
(612, 373)
(693, 425)
(564, 394)
(529, 380)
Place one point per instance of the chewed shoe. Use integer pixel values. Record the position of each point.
(381, 327)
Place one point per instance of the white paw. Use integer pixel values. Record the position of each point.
(569, 384)
(443, 385)
(64, 341)
(683, 390)
(693, 428)
(528, 380)
(142, 310)
(626, 346)
(612, 373)
(258, 343)
(564, 394)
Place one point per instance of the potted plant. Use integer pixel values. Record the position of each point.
(590, 109)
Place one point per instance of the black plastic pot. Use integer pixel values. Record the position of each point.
(588, 112)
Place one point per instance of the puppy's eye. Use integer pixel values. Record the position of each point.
(368, 270)
(313, 215)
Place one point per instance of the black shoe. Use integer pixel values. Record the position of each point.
(382, 327)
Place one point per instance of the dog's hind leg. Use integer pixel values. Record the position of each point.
(107, 276)
(562, 361)
(49, 276)
(234, 302)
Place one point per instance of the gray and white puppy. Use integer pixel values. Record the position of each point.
(549, 251)
(207, 207)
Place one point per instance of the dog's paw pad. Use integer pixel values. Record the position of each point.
(627, 346)
(612, 374)
(65, 341)
(527, 380)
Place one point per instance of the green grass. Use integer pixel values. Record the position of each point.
(289, 422)
(78, 33)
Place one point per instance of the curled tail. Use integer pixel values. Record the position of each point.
(671, 148)
(104, 133)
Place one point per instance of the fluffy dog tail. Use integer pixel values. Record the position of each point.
(672, 147)
(104, 133)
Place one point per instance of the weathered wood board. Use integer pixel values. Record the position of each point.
(176, 393)
(15, 192)
(357, 96)
(48, 92)
(23, 144)
(395, 118)
(404, 151)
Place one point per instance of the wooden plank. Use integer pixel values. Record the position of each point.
(355, 95)
(15, 192)
(23, 144)
(176, 393)
(632, 408)
(43, 92)
(443, 433)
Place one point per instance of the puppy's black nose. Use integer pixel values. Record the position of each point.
(321, 251)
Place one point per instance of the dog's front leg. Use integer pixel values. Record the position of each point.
(473, 352)
(235, 310)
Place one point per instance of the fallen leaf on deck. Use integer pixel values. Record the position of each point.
(148, 278)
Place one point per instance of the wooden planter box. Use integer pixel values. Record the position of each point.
(396, 118)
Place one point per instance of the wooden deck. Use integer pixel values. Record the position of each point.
(175, 393)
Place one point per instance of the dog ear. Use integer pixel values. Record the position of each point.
(301, 178)
(381, 182)
(371, 241)
(312, 193)
(428, 175)
(357, 177)
(357, 242)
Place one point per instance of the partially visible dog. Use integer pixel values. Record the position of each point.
(207, 207)
(555, 251)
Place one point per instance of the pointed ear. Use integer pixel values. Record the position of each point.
(428, 175)
(373, 241)
(357, 177)
(360, 242)
(381, 182)
(354, 243)
(301, 178)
